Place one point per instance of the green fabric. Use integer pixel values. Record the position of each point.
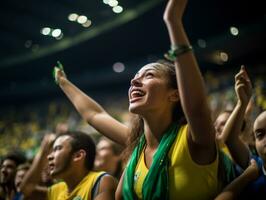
(155, 185)
(58, 67)
(227, 167)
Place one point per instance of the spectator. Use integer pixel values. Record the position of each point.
(70, 161)
(161, 96)
(108, 157)
(8, 172)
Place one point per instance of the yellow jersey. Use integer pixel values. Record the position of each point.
(187, 179)
(83, 191)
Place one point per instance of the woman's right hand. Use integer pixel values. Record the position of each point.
(243, 86)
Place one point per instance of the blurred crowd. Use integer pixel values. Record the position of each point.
(24, 128)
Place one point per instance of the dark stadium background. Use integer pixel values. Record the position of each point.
(134, 37)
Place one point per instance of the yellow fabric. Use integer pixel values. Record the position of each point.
(225, 149)
(140, 174)
(82, 191)
(187, 179)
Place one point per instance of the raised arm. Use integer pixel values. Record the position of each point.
(238, 149)
(33, 176)
(190, 82)
(92, 112)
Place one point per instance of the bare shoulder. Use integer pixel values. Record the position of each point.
(107, 188)
(107, 182)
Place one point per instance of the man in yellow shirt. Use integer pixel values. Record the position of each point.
(71, 161)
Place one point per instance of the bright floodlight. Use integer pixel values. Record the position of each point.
(56, 32)
(46, 31)
(82, 19)
(117, 9)
(113, 3)
(73, 17)
(234, 31)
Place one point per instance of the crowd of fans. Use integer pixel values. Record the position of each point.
(24, 128)
(176, 142)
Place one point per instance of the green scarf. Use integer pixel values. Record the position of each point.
(155, 185)
(227, 170)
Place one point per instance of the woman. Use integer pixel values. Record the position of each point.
(170, 159)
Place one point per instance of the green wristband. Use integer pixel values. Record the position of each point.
(177, 50)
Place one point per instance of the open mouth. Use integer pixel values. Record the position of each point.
(136, 94)
(51, 166)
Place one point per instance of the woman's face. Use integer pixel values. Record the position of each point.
(149, 90)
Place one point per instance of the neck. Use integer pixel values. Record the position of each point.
(154, 128)
(75, 178)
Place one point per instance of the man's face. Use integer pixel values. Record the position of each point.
(61, 157)
(8, 171)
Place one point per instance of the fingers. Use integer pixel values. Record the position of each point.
(49, 138)
(240, 81)
(240, 74)
(243, 85)
(243, 77)
(47, 142)
(243, 90)
(243, 73)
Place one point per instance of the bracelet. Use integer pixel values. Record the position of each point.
(177, 50)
